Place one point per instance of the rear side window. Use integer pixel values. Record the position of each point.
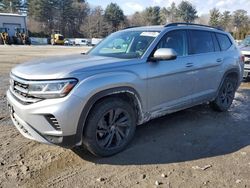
(224, 41)
(216, 43)
(200, 42)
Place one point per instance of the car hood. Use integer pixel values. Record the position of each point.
(59, 67)
(245, 49)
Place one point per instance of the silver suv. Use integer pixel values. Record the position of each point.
(134, 75)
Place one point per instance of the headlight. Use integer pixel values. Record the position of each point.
(51, 89)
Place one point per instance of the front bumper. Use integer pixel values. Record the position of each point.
(31, 120)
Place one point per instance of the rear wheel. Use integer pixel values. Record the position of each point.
(110, 127)
(226, 95)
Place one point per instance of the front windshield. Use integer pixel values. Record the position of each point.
(125, 44)
(246, 41)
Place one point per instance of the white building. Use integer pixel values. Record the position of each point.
(12, 21)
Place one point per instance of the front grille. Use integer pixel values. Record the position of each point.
(19, 89)
(53, 121)
(247, 59)
(61, 38)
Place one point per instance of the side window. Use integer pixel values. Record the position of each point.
(224, 41)
(216, 43)
(175, 40)
(200, 42)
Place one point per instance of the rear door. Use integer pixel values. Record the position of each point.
(206, 59)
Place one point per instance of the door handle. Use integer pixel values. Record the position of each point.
(189, 64)
(219, 60)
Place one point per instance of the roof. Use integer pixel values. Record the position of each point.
(192, 24)
(176, 25)
(11, 14)
(147, 28)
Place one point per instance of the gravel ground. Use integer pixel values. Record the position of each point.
(196, 147)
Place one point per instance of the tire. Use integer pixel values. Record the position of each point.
(10, 40)
(225, 96)
(110, 126)
(27, 41)
(14, 39)
(247, 79)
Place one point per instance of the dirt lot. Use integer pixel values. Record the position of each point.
(196, 147)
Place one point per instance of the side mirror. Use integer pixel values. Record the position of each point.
(164, 54)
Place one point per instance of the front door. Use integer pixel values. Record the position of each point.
(171, 82)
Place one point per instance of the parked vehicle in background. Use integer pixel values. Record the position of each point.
(16, 27)
(82, 42)
(57, 38)
(69, 42)
(245, 50)
(134, 75)
(21, 37)
(95, 41)
(4, 36)
(39, 41)
(238, 42)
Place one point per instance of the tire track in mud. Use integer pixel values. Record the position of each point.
(54, 167)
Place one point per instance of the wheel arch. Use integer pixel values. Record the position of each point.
(127, 93)
(234, 73)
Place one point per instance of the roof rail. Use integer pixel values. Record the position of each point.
(129, 27)
(199, 25)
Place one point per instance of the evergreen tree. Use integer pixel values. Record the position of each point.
(214, 19)
(240, 18)
(164, 15)
(65, 16)
(11, 6)
(187, 12)
(153, 15)
(173, 13)
(226, 20)
(81, 12)
(114, 16)
(2, 6)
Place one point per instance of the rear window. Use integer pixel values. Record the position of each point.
(200, 42)
(224, 41)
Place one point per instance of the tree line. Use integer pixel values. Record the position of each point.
(237, 22)
(76, 18)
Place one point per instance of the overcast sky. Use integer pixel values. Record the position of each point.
(203, 6)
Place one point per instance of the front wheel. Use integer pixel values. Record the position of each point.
(225, 96)
(110, 127)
